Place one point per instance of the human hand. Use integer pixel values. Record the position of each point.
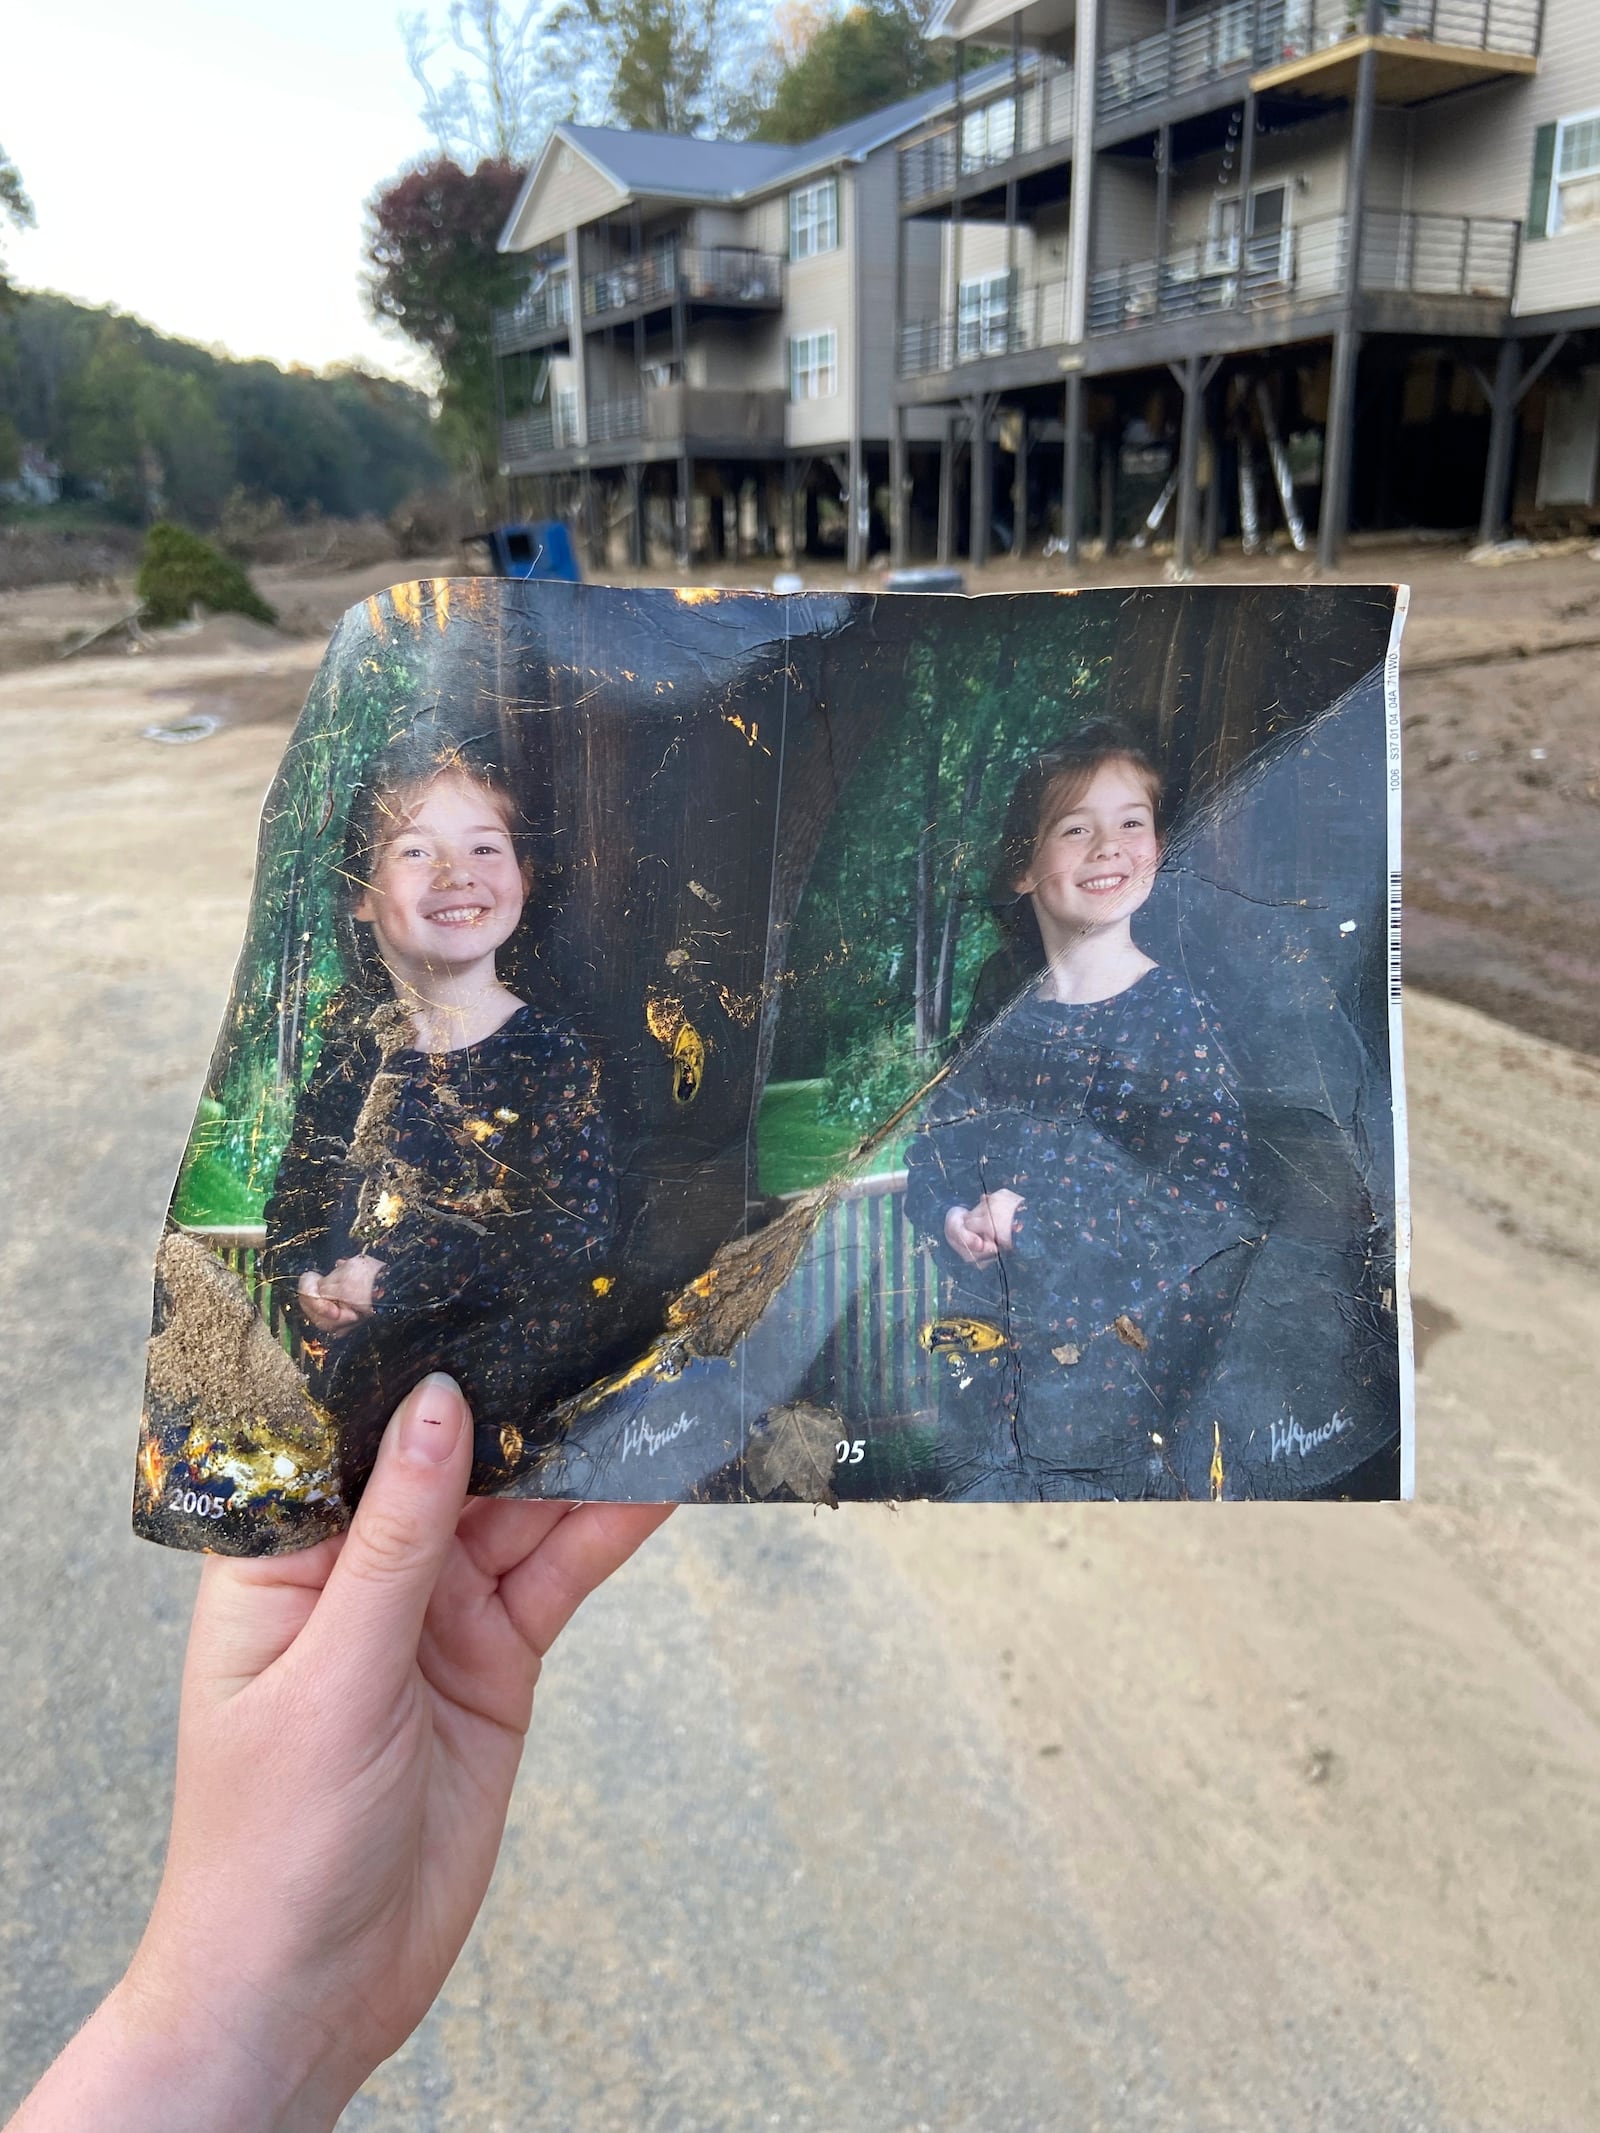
(979, 1234)
(352, 1282)
(327, 1313)
(351, 1724)
(999, 1211)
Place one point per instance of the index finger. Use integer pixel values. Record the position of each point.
(544, 1591)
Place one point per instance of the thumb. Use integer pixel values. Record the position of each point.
(369, 1619)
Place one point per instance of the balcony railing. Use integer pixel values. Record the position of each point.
(1243, 34)
(545, 429)
(720, 274)
(546, 309)
(1294, 29)
(661, 414)
(1036, 114)
(1222, 40)
(1418, 255)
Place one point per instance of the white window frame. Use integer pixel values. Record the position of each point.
(1225, 247)
(814, 364)
(814, 219)
(985, 311)
(1560, 177)
(985, 141)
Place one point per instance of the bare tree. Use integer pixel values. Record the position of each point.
(507, 87)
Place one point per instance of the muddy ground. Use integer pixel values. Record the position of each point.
(945, 1819)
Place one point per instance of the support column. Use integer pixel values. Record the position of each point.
(1019, 495)
(857, 522)
(1085, 58)
(1211, 529)
(947, 491)
(1338, 449)
(1502, 438)
(981, 486)
(1339, 443)
(636, 528)
(1071, 451)
(1110, 454)
(1188, 466)
(1247, 180)
(682, 515)
(899, 500)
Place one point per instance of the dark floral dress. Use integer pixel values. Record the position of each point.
(1076, 1364)
(482, 1180)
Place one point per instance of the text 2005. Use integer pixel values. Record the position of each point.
(198, 1503)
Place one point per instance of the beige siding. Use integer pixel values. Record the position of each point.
(1473, 155)
(874, 185)
(1124, 214)
(569, 192)
(818, 293)
(1126, 21)
(1312, 160)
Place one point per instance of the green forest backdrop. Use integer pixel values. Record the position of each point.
(884, 954)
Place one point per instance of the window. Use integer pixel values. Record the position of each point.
(989, 134)
(1575, 191)
(814, 365)
(983, 325)
(814, 220)
(1267, 236)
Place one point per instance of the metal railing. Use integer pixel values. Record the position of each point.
(1294, 29)
(1013, 122)
(1412, 254)
(541, 310)
(1439, 255)
(722, 274)
(660, 414)
(1406, 253)
(1201, 48)
(1248, 34)
(545, 429)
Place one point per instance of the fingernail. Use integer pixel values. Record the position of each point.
(435, 1415)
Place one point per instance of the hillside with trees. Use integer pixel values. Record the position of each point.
(147, 426)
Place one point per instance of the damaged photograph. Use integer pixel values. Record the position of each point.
(808, 1047)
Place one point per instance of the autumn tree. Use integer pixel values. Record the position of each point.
(434, 273)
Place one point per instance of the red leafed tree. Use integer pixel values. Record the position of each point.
(433, 271)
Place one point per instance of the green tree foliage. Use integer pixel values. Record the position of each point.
(16, 208)
(178, 571)
(895, 925)
(290, 974)
(662, 59)
(154, 425)
(825, 70)
(434, 272)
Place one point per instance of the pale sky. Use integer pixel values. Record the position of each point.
(203, 163)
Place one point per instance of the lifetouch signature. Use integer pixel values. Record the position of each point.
(640, 1441)
(1290, 1439)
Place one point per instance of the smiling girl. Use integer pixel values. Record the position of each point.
(1081, 1168)
(446, 1195)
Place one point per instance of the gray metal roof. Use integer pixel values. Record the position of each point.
(681, 164)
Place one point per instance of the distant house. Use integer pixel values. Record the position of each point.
(1330, 262)
(36, 481)
(703, 353)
